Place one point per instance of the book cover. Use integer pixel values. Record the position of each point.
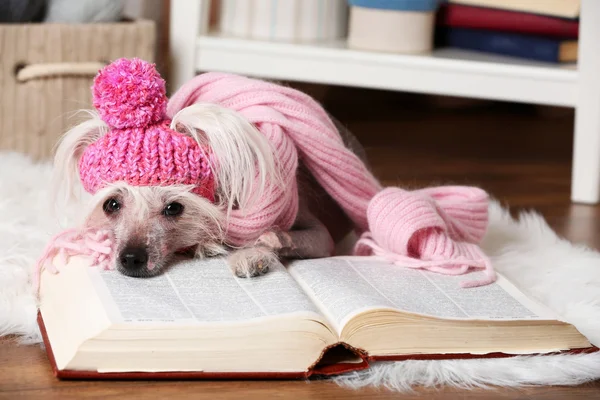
(556, 8)
(462, 16)
(510, 44)
(323, 369)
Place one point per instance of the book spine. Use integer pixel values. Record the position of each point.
(460, 16)
(397, 5)
(555, 8)
(529, 47)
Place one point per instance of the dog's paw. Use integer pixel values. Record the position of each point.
(250, 262)
(275, 240)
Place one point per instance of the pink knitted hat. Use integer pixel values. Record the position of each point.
(140, 148)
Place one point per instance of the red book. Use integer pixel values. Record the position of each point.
(460, 16)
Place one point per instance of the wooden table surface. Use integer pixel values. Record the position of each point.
(24, 373)
(520, 156)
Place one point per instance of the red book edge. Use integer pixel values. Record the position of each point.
(315, 370)
(322, 370)
(463, 16)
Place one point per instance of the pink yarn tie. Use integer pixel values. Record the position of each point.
(95, 244)
(434, 229)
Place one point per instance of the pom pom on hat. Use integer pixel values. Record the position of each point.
(140, 148)
(129, 93)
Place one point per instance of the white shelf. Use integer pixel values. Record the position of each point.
(445, 71)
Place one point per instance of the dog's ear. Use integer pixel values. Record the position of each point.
(242, 159)
(68, 152)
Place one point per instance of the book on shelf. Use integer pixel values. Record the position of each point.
(556, 8)
(529, 47)
(310, 317)
(461, 16)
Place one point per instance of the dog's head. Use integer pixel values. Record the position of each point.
(151, 224)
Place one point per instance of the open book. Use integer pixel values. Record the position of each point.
(320, 316)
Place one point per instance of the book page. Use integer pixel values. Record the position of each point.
(199, 291)
(345, 286)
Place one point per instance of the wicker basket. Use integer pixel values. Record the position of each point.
(47, 71)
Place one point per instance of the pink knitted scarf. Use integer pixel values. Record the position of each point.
(437, 229)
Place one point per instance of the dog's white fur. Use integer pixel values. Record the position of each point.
(245, 160)
(66, 187)
(559, 274)
(242, 161)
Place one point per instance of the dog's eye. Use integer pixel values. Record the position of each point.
(173, 209)
(111, 206)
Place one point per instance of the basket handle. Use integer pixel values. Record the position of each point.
(49, 70)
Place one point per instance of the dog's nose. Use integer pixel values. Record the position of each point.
(134, 258)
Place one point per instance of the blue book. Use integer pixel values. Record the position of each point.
(511, 44)
(398, 5)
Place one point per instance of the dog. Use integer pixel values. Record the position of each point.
(248, 170)
(152, 225)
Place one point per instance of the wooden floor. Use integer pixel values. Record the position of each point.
(520, 154)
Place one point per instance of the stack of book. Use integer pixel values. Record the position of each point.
(540, 30)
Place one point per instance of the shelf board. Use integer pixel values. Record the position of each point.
(445, 71)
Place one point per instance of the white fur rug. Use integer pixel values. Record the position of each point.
(563, 276)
